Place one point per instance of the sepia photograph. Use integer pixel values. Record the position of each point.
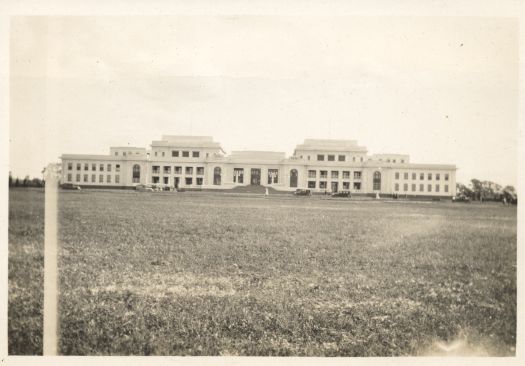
(272, 185)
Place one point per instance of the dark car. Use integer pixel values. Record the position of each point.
(302, 192)
(341, 194)
(70, 186)
(461, 198)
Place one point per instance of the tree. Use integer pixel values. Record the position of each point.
(17, 182)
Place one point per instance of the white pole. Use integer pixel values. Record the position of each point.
(50, 263)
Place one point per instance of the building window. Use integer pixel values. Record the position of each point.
(405, 187)
(446, 188)
(438, 176)
(346, 186)
(323, 174)
(78, 177)
(429, 176)
(167, 169)
(200, 170)
(421, 187)
(217, 175)
(413, 187)
(346, 174)
(353, 159)
(109, 167)
(189, 181)
(69, 166)
(117, 178)
(357, 186)
(189, 170)
(377, 181)
(402, 161)
(397, 175)
(199, 181)
(86, 166)
(101, 167)
(394, 160)
(185, 154)
(322, 185)
(341, 158)
(101, 178)
(166, 180)
(155, 169)
(116, 153)
(238, 175)
(293, 178)
(311, 184)
(335, 174)
(69, 177)
(195, 154)
(331, 157)
(163, 154)
(124, 153)
(308, 157)
(396, 187)
(421, 176)
(175, 153)
(93, 178)
(414, 176)
(357, 175)
(108, 179)
(155, 180)
(79, 167)
(136, 173)
(273, 176)
(177, 170)
(446, 176)
(405, 176)
(312, 174)
(429, 188)
(117, 168)
(155, 153)
(320, 157)
(93, 167)
(437, 187)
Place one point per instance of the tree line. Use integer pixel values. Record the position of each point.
(484, 190)
(25, 182)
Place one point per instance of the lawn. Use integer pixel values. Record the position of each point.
(220, 274)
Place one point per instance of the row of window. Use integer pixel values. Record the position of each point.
(421, 188)
(177, 153)
(332, 157)
(334, 174)
(85, 178)
(188, 181)
(177, 170)
(93, 167)
(323, 185)
(421, 176)
(124, 153)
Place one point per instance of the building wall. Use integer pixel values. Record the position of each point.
(357, 177)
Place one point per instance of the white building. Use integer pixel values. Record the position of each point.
(197, 162)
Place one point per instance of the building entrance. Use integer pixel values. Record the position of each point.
(176, 182)
(334, 187)
(255, 178)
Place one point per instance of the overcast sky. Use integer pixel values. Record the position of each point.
(444, 90)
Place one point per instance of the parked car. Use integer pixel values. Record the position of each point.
(341, 194)
(144, 188)
(70, 186)
(461, 198)
(302, 192)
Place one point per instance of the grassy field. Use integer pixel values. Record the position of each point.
(204, 274)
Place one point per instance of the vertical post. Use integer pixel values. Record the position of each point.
(51, 263)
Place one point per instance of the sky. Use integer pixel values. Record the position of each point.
(441, 89)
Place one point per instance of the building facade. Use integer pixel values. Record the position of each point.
(198, 162)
